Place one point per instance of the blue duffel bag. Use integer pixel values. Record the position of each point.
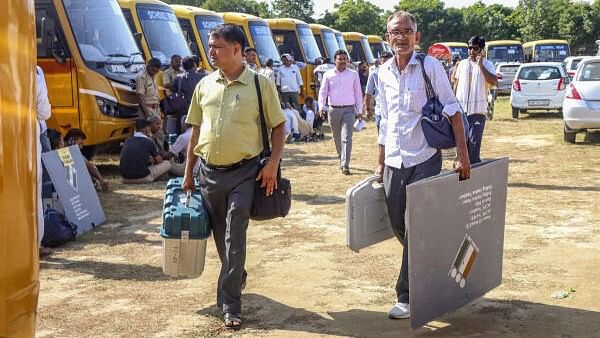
(57, 229)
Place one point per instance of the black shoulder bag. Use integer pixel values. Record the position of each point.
(278, 204)
(437, 127)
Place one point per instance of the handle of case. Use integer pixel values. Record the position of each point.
(188, 197)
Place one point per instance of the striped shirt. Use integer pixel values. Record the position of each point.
(402, 97)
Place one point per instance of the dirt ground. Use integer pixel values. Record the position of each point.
(304, 282)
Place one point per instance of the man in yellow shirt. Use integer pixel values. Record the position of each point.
(226, 139)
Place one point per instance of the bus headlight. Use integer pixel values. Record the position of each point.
(107, 107)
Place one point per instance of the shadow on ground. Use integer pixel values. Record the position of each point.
(107, 270)
(485, 317)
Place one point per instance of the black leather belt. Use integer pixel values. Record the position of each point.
(350, 105)
(228, 166)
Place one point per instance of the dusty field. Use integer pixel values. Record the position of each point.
(304, 282)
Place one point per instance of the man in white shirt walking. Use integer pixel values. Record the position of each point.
(471, 80)
(289, 82)
(404, 154)
(341, 89)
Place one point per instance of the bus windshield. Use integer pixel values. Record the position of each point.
(377, 49)
(204, 25)
(264, 43)
(307, 39)
(101, 32)
(163, 33)
(367, 48)
(553, 53)
(287, 43)
(461, 52)
(341, 42)
(331, 43)
(505, 53)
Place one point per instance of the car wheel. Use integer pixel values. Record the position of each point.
(515, 113)
(569, 136)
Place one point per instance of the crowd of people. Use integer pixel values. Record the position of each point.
(218, 134)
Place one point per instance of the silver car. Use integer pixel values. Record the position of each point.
(505, 72)
(581, 106)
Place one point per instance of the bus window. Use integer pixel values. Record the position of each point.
(367, 50)
(507, 53)
(461, 52)
(319, 39)
(263, 43)
(163, 34)
(355, 50)
(190, 38)
(307, 39)
(204, 25)
(377, 49)
(555, 52)
(331, 43)
(287, 43)
(50, 43)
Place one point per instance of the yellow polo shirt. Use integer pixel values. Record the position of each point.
(228, 117)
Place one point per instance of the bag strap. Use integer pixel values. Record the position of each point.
(428, 86)
(263, 124)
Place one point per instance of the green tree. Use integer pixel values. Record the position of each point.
(431, 18)
(299, 9)
(253, 7)
(357, 16)
(491, 22)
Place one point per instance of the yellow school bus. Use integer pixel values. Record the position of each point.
(358, 47)
(19, 280)
(90, 60)
(196, 23)
(546, 50)
(157, 31)
(377, 46)
(326, 40)
(504, 51)
(294, 37)
(258, 34)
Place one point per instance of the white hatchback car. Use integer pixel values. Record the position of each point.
(581, 107)
(538, 86)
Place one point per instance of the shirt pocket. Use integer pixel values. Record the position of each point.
(415, 97)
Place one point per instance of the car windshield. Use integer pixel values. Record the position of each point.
(575, 63)
(367, 48)
(101, 31)
(205, 24)
(509, 68)
(330, 43)
(264, 43)
(552, 53)
(539, 73)
(287, 43)
(163, 33)
(341, 42)
(461, 52)
(307, 39)
(505, 53)
(590, 72)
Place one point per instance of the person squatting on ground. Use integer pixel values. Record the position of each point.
(341, 89)
(140, 161)
(404, 154)
(373, 110)
(76, 136)
(472, 78)
(226, 139)
(146, 90)
(179, 151)
(289, 81)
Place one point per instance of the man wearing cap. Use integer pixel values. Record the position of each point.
(146, 90)
(341, 89)
(471, 80)
(226, 139)
(289, 81)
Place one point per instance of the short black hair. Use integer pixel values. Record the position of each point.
(189, 63)
(230, 33)
(197, 59)
(249, 49)
(478, 41)
(174, 56)
(154, 62)
(54, 137)
(339, 52)
(141, 124)
(269, 62)
(73, 134)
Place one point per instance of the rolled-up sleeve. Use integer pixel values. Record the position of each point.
(441, 86)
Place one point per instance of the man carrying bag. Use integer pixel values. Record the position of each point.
(226, 139)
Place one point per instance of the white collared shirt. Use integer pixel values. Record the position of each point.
(471, 89)
(289, 79)
(402, 98)
(140, 134)
(43, 107)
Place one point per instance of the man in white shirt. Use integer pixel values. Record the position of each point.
(289, 82)
(404, 155)
(43, 112)
(471, 80)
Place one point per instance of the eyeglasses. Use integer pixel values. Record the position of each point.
(475, 48)
(406, 32)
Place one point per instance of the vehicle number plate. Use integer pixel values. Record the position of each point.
(539, 102)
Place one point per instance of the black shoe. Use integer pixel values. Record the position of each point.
(345, 171)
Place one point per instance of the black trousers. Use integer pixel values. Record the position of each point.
(228, 195)
(395, 181)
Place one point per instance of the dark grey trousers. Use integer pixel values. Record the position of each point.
(341, 121)
(394, 182)
(228, 195)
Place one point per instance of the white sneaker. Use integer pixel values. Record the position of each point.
(399, 311)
